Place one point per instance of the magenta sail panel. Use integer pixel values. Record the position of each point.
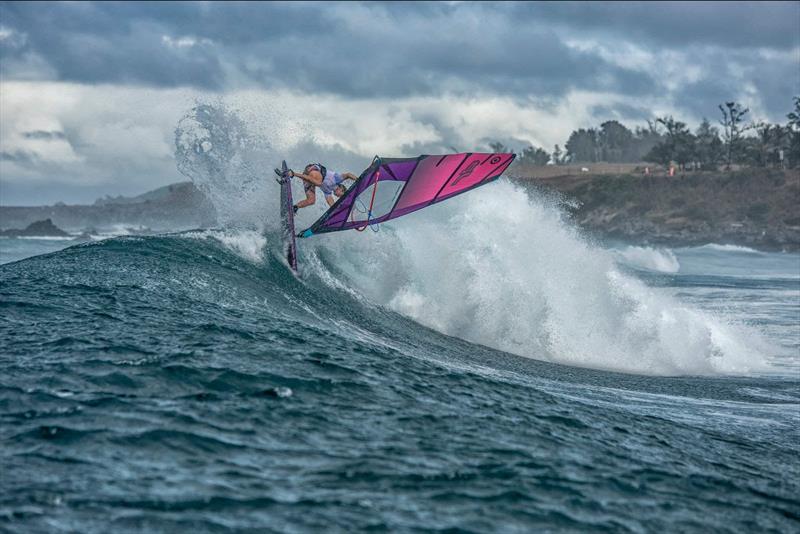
(393, 187)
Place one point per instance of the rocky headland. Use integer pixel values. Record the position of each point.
(177, 206)
(757, 208)
(44, 228)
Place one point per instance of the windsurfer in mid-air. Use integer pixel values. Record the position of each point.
(316, 175)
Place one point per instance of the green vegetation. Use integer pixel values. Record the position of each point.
(668, 141)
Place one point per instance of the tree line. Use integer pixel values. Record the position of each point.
(667, 141)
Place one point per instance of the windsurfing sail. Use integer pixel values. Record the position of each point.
(393, 187)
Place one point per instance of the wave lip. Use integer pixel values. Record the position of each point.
(729, 248)
(653, 259)
(247, 244)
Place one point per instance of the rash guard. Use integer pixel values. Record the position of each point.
(329, 183)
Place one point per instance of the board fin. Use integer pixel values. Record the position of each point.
(282, 172)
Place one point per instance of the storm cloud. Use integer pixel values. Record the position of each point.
(362, 50)
(346, 49)
(453, 74)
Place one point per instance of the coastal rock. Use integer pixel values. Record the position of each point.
(177, 206)
(44, 228)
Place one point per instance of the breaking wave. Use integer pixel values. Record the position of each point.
(652, 259)
(495, 266)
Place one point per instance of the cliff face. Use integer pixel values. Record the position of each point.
(174, 207)
(755, 207)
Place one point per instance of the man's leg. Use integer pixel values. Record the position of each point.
(311, 198)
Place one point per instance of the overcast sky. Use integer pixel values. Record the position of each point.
(91, 93)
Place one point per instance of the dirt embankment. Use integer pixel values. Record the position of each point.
(758, 208)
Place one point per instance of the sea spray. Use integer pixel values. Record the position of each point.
(247, 244)
(229, 147)
(508, 271)
(229, 164)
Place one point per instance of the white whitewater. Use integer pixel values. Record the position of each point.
(493, 266)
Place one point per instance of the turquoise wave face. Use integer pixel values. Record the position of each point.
(192, 381)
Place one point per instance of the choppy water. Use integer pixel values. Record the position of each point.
(19, 249)
(191, 381)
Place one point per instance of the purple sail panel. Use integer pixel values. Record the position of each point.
(400, 170)
(475, 169)
(429, 178)
(336, 219)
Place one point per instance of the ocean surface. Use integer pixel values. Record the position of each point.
(478, 366)
(409, 380)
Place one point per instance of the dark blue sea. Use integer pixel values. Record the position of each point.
(479, 366)
(404, 381)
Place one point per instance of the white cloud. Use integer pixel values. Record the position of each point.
(105, 133)
(11, 37)
(670, 69)
(22, 112)
(184, 42)
(119, 135)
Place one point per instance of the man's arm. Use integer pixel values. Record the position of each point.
(329, 200)
(349, 176)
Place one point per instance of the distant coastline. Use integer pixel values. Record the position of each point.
(174, 207)
(751, 207)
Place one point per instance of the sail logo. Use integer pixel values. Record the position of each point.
(466, 172)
